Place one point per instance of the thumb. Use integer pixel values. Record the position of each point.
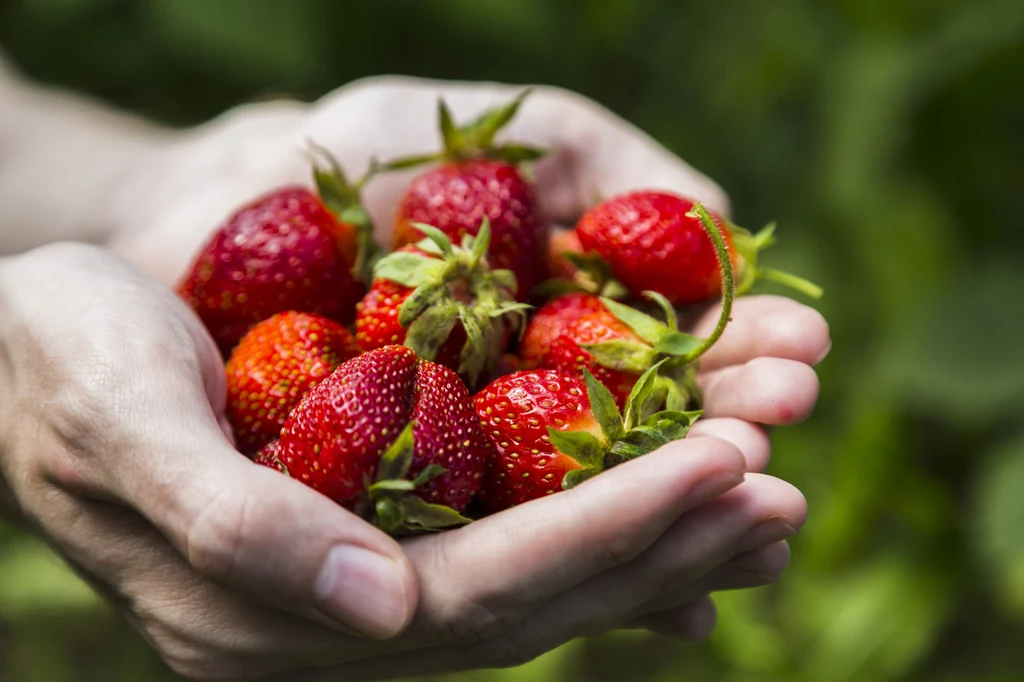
(253, 529)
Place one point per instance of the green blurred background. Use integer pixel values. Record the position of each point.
(887, 139)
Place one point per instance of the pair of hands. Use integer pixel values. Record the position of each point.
(115, 447)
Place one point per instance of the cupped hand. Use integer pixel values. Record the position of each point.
(114, 442)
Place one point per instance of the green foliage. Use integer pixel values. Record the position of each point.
(884, 137)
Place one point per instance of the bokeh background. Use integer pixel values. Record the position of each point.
(885, 136)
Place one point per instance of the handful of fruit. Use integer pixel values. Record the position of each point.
(482, 363)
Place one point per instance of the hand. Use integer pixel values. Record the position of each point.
(230, 570)
(176, 198)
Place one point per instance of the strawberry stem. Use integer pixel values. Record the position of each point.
(800, 284)
(728, 283)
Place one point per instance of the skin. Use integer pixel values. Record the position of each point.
(113, 446)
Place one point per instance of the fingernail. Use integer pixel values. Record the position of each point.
(714, 485)
(363, 590)
(765, 533)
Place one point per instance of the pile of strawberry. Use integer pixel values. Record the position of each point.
(482, 363)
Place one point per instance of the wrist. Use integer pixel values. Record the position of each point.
(63, 159)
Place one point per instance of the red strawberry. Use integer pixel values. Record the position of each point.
(562, 243)
(479, 180)
(568, 354)
(443, 301)
(656, 241)
(553, 430)
(276, 363)
(551, 321)
(618, 344)
(391, 417)
(287, 250)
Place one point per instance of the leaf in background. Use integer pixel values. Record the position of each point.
(998, 524)
(962, 355)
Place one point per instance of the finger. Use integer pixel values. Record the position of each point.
(756, 568)
(751, 439)
(481, 579)
(760, 511)
(749, 515)
(693, 622)
(764, 390)
(200, 629)
(765, 326)
(249, 527)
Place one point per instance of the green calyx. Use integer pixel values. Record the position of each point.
(664, 342)
(455, 284)
(343, 199)
(749, 247)
(474, 140)
(389, 504)
(593, 276)
(639, 429)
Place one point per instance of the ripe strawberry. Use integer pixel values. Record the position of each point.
(551, 321)
(478, 180)
(554, 430)
(276, 363)
(442, 301)
(655, 241)
(290, 249)
(391, 436)
(618, 344)
(563, 243)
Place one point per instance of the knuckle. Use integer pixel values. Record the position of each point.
(466, 617)
(191, 660)
(215, 535)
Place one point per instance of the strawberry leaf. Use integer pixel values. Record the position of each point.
(429, 472)
(675, 397)
(396, 460)
(666, 308)
(408, 269)
(582, 446)
(602, 402)
(408, 162)
(678, 343)
(505, 279)
(437, 236)
(481, 243)
(388, 514)
(645, 326)
(516, 153)
(418, 301)
(642, 390)
(619, 354)
(577, 476)
(421, 515)
(453, 139)
(431, 329)
(481, 132)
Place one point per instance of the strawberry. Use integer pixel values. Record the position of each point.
(289, 249)
(391, 436)
(477, 180)
(618, 343)
(553, 430)
(655, 241)
(276, 363)
(562, 244)
(443, 301)
(551, 320)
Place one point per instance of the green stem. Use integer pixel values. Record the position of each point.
(800, 284)
(728, 284)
